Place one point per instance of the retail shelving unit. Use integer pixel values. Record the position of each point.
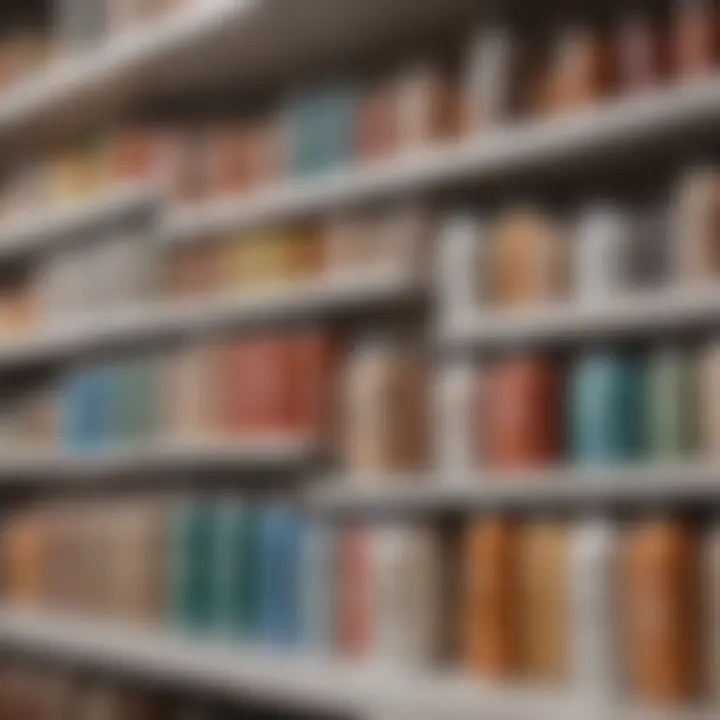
(84, 90)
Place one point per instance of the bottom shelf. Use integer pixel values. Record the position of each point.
(294, 681)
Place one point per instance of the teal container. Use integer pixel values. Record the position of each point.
(339, 110)
(318, 575)
(193, 528)
(605, 413)
(322, 130)
(279, 583)
(237, 567)
(671, 405)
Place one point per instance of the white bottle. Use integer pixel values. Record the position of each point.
(602, 253)
(460, 267)
(406, 567)
(458, 393)
(489, 76)
(594, 659)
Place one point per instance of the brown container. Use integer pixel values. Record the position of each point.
(529, 259)
(695, 37)
(662, 611)
(642, 48)
(697, 216)
(523, 419)
(385, 409)
(378, 123)
(24, 557)
(546, 602)
(580, 71)
(429, 108)
(490, 623)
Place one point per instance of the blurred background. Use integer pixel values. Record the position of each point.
(359, 359)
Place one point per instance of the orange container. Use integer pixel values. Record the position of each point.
(490, 623)
(661, 599)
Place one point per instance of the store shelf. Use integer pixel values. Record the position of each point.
(624, 316)
(533, 146)
(645, 483)
(36, 232)
(18, 465)
(247, 43)
(316, 298)
(293, 681)
(94, 84)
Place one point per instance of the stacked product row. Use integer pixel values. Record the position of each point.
(526, 256)
(30, 48)
(268, 384)
(388, 408)
(586, 607)
(111, 269)
(28, 693)
(501, 75)
(601, 407)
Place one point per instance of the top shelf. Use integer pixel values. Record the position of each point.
(595, 136)
(249, 42)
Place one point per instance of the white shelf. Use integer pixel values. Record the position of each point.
(281, 452)
(316, 298)
(294, 681)
(684, 482)
(639, 123)
(36, 232)
(637, 313)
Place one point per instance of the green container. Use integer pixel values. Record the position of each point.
(237, 570)
(193, 529)
(671, 404)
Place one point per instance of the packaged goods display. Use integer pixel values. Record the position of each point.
(267, 385)
(585, 606)
(413, 264)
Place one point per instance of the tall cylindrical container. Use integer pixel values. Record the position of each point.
(356, 593)
(593, 609)
(605, 408)
(696, 240)
(318, 579)
(192, 556)
(709, 401)
(237, 570)
(279, 584)
(491, 612)
(662, 609)
(545, 601)
(461, 266)
(522, 421)
(710, 615)
(529, 259)
(406, 564)
(601, 260)
(671, 404)
(458, 412)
